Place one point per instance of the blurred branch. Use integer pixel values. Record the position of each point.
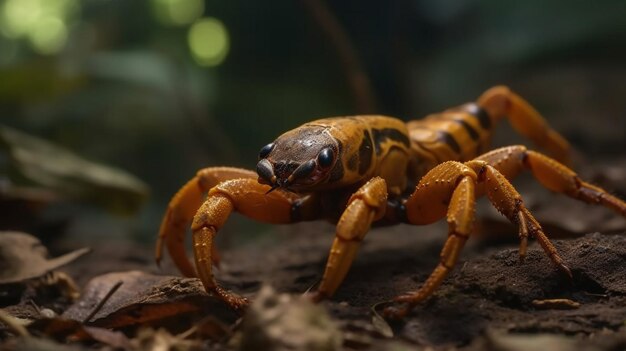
(213, 140)
(363, 94)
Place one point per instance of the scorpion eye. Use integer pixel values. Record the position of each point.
(326, 157)
(266, 150)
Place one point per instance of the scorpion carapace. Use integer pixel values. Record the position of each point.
(361, 170)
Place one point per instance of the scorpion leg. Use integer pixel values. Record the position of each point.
(508, 201)
(448, 183)
(500, 101)
(251, 199)
(365, 206)
(453, 182)
(181, 210)
(552, 175)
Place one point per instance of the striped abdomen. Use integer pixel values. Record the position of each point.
(458, 134)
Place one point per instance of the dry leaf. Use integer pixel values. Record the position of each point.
(23, 257)
(54, 167)
(142, 298)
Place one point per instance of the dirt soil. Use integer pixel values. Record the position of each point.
(485, 301)
(490, 301)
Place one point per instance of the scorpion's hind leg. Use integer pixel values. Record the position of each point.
(551, 174)
(508, 201)
(447, 190)
(183, 207)
(501, 102)
(251, 199)
(365, 206)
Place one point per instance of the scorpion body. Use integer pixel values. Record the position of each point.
(361, 171)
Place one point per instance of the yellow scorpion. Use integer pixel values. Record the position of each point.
(359, 170)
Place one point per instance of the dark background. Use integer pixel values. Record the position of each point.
(123, 88)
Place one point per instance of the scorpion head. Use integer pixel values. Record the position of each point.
(298, 160)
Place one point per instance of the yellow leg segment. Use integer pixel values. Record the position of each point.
(365, 206)
(460, 225)
(559, 178)
(500, 101)
(247, 197)
(511, 160)
(451, 185)
(509, 202)
(183, 207)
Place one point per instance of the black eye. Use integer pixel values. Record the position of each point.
(266, 150)
(326, 157)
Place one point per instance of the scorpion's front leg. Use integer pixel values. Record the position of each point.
(365, 206)
(251, 199)
(183, 207)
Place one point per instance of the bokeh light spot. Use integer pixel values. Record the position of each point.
(43, 22)
(18, 16)
(48, 36)
(209, 42)
(177, 12)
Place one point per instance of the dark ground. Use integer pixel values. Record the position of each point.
(485, 304)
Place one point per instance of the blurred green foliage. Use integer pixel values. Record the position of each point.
(164, 87)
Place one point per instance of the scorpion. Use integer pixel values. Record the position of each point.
(362, 170)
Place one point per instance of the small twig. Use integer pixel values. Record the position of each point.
(316, 283)
(37, 309)
(189, 332)
(13, 324)
(556, 304)
(364, 97)
(103, 301)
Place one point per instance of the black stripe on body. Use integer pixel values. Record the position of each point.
(381, 135)
(480, 113)
(449, 140)
(365, 153)
(468, 128)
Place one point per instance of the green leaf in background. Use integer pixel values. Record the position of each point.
(54, 167)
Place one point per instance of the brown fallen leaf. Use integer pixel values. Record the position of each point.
(54, 167)
(23, 257)
(144, 298)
